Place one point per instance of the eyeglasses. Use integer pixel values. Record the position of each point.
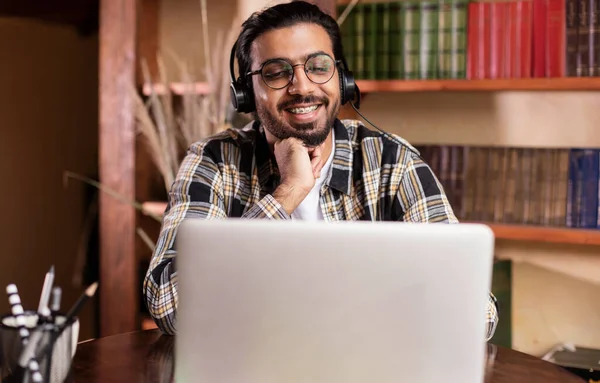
(279, 73)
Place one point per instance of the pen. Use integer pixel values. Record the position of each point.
(17, 311)
(46, 290)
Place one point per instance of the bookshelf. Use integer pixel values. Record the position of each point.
(117, 153)
(404, 86)
(501, 231)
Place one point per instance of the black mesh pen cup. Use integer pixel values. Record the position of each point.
(52, 350)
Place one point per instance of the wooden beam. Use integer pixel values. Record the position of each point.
(118, 278)
(327, 6)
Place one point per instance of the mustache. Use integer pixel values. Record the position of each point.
(302, 100)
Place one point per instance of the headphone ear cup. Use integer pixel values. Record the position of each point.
(347, 86)
(241, 97)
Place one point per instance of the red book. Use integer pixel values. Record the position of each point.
(540, 16)
(525, 35)
(472, 40)
(483, 44)
(498, 38)
(555, 39)
(512, 62)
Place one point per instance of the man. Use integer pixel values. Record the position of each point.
(296, 160)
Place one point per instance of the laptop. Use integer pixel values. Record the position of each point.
(264, 301)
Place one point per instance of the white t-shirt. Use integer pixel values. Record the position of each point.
(310, 208)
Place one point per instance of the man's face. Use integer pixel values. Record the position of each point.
(303, 109)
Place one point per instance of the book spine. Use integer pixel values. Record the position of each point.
(525, 37)
(383, 44)
(561, 196)
(395, 41)
(572, 189)
(411, 48)
(483, 44)
(540, 10)
(548, 168)
(588, 216)
(512, 40)
(370, 32)
(511, 195)
(359, 42)
(572, 38)
(555, 42)
(526, 176)
(594, 38)
(428, 40)
(583, 49)
(347, 34)
(444, 41)
(473, 40)
(458, 42)
(501, 183)
(497, 41)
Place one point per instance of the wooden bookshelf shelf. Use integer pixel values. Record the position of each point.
(148, 323)
(401, 86)
(525, 84)
(562, 235)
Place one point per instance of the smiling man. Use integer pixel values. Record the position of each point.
(296, 160)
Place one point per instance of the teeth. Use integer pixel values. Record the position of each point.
(303, 110)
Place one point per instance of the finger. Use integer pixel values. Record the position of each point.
(315, 158)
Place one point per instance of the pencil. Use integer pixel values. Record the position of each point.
(87, 294)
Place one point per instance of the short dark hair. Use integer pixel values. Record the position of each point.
(282, 16)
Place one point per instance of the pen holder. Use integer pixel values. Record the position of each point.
(54, 362)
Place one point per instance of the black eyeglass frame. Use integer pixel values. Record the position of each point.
(259, 70)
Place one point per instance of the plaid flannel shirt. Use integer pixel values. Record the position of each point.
(234, 173)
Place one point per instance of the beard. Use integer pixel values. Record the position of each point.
(312, 134)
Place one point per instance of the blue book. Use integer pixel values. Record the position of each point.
(574, 188)
(590, 165)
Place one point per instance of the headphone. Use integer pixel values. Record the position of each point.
(242, 95)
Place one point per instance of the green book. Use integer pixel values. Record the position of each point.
(396, 66)
(359, 42)
(347, 30)
(428, 40)
(370, 43)
(383, 41)
(458, 41)
(444, 39)
(345, 34)
(411, 22)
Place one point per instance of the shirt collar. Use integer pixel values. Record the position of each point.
(341, 168)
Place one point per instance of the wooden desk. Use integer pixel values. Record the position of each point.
(147, 356)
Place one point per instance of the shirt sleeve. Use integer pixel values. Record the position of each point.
(198, 192)
(491, 317)
(421, 196)
(423, 199)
